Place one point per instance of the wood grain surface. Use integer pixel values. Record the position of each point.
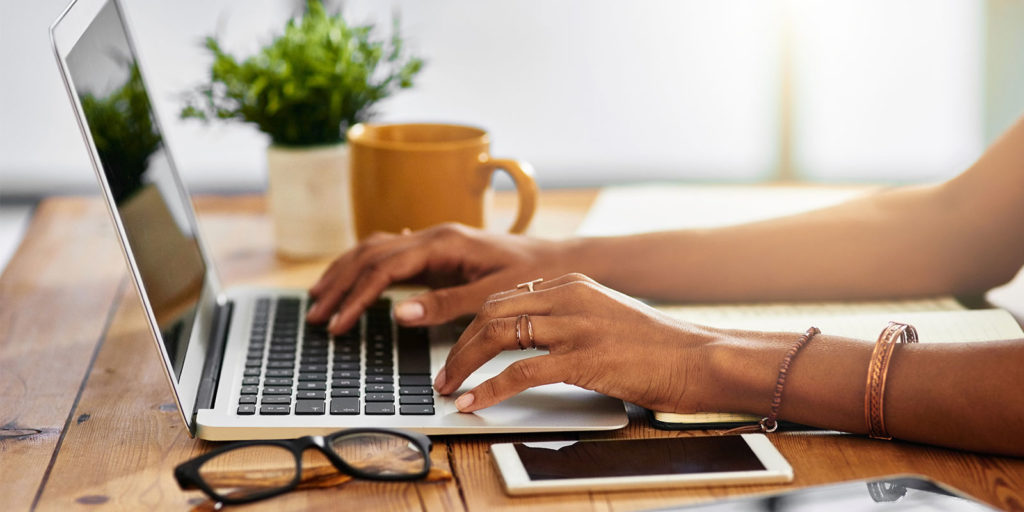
(87, 420)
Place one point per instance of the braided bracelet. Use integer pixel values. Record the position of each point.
(878, 368)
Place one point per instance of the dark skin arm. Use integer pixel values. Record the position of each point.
(942, 393)
(958, 237)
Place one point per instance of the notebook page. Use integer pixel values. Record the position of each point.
(776, 309)
(628, 209)
(932, 326)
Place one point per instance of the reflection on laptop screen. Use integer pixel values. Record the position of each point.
(152, 207)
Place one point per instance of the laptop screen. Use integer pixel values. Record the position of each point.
(152, 206)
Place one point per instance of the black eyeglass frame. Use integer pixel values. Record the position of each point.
(188, 477)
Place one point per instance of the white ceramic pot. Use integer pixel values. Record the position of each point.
(309, 200)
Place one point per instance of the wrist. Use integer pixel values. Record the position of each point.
(584, 255)
(744, 366)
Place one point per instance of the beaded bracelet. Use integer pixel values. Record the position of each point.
(769, 423)
(878, 368)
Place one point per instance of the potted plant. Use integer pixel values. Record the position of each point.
(304, 90)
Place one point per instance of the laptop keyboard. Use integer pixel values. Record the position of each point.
(293, 367)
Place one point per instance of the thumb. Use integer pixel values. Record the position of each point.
(444, 304)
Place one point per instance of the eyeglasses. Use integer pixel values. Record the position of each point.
(254, 470)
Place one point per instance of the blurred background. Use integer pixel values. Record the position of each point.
(591, 92)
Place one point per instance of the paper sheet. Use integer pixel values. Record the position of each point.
(623, 210)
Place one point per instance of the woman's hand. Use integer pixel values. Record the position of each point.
(464, 265)
(597, 339)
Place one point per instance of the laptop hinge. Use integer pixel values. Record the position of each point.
(207, 393)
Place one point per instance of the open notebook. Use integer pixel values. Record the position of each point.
(652, 207)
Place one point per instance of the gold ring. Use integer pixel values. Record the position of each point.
(529, 284)
(529, 332)
(519, 338)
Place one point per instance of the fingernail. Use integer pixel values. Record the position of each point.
(334, 323)
(314, 310)
(464, 401)
(440, 380)
(409, 310)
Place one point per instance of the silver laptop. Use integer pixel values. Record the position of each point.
(242, 362)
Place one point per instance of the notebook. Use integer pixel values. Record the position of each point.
(242, 363)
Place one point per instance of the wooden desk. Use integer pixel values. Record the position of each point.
(86, 417)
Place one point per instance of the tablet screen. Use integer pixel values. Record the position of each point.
(636, 457)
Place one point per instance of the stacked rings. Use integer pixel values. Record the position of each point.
(529, 332)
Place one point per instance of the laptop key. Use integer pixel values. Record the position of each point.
(313, 368)
(346, 366)
(417, 410)
(345, 383)
(315, 386)
(277, 381)
(277, 390)
(380, 388)
(276, 400)
(275, 409)
(313, 377)
(252, 372)
(310, 395)
(416, 390)
(309, 407)
(280, 364)
(416, 400)
(345, 375)
(251, 381)
(413, 379)
(386, 370)
(344, 406)
(378, 379)
(250, 390)
(247, 399)
(246, 409)
(380, 397)
(253, 363)
(413, 350)
(380, 408)
(280, 372)
(344, 392)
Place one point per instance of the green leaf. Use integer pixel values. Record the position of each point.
(308, 84)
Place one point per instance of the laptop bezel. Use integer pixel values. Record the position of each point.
(65, 33)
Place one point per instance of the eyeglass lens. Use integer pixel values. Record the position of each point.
(380, 454)
(250, 470)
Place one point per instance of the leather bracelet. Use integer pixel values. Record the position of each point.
(769, 423)
(878, 368)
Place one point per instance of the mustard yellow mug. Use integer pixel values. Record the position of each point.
(418, 175)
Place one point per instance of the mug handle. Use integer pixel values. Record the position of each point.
(522, 174)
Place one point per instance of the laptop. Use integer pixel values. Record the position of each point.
(242, 362)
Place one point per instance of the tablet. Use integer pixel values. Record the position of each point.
(571, 466)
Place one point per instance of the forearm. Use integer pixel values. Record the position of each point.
(962, 395)
(960, 237)
(904, 242)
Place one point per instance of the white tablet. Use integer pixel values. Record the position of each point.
(568, 466)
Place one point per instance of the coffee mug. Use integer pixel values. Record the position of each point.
(412, 176)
